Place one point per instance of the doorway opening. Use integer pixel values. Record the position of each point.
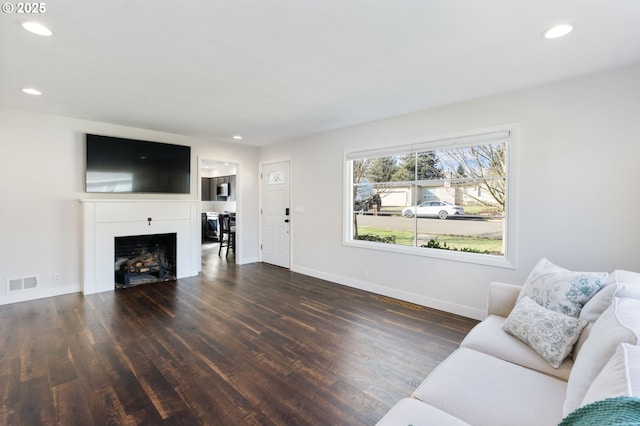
(218, 199)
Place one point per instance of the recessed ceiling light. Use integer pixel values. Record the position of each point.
(32, 91)
(558, 31)
(237, 137)
(37, 28)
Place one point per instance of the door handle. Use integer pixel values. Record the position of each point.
(286, 221)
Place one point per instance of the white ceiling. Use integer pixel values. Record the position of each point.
(272, 70)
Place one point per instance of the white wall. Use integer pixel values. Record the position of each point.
(42, 179)
(577, 198)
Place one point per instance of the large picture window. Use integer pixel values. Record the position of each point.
(446, 198)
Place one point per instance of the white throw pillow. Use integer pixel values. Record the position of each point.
(560, 289)
(620, 323)
(549, 333)
(620, 377)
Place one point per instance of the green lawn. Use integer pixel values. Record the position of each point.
(460, 242)
(404, 238)
(453, 241)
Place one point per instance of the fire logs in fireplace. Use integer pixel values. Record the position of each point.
(147, 267)
(144, 263)
(144, 259)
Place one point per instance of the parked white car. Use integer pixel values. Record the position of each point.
(441, 209)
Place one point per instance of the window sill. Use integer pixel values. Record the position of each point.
(479, 259)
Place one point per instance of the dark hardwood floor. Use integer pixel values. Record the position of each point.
(239, 345)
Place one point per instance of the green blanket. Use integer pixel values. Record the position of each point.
(619, 411)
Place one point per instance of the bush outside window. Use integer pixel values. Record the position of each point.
(448, 195)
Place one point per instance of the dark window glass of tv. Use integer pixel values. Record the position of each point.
(134, 166)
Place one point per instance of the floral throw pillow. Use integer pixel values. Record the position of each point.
(549, 333)
(560, 289)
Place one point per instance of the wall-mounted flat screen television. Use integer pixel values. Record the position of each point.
(134, 166)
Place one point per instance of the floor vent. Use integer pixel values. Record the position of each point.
(402, 303)
(22, 283)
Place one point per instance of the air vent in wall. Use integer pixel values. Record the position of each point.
(22, 283)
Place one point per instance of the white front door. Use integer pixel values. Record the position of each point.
(276, 227)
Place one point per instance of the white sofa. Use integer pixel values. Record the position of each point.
(494, 378)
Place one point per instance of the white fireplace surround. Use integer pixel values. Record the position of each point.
(104, 220)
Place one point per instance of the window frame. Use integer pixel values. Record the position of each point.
(508, 260)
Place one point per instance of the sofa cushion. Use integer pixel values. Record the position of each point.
(619, 283)
(599, 303)
(549, 333)
(591, 312)
(489, 337)
(620, 323)
(627, 283)
(619, 377)
(410, 411)
(560, 289)
(484, 390)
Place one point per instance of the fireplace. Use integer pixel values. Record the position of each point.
(105, 220)
(143, 259)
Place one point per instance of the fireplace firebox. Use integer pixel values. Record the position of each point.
(141, 259)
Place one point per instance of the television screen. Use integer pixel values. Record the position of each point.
(133, 166)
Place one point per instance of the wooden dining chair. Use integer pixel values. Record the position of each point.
(227, 234)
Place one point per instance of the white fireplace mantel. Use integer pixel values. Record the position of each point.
(106, 219)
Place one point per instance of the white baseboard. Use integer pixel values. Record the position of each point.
(247, 260)
(429, 302)
(454, 308)
(23, 296)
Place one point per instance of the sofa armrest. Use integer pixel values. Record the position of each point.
(502, 298)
